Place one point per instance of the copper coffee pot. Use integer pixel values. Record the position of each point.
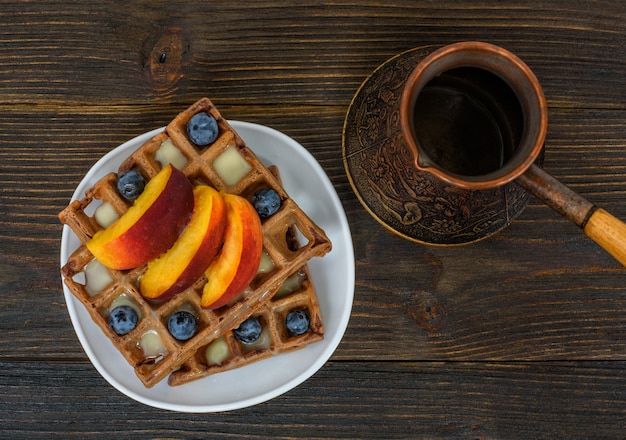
(446, 94)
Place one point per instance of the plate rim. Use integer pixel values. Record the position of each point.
(332, 342)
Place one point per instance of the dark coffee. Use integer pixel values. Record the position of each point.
(468, 121)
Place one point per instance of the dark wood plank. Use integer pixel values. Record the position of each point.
(343, 400)
(542, 290)
(58, 53)
(518, 336)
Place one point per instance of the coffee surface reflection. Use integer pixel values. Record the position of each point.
(467, 121)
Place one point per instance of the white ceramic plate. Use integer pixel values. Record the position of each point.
(333, 275)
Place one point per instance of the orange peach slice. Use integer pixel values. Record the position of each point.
(149, 227)
(191, 254)
(238, 262)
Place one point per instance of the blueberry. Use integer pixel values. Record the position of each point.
(266, 201)
(297, 322)
(130, 184)
(123, 319)
(182, 325)
(202, 129)
(249, 330)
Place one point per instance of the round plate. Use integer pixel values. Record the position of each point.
(411, 203)
(333, 275)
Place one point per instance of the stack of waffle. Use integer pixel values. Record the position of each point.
(290, 240)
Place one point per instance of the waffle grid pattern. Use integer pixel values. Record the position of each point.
(278, 340)
(153, 314)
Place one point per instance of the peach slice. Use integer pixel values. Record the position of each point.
(191, 254)
(238, 262)
(149, 227)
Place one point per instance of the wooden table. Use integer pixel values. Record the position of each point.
(521, 335)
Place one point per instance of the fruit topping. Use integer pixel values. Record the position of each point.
(297, 322)
(292, 284)
(217, 352)
(161, 211)
(266, 201)
(238, 261)
(193, 251)
(266, 265)
(182, 325)
(131, 184)
(168, 153)
(105, 215)
(249, 330)
(123, 319)
(231, 166)
(97, 277)
(202, 129)
(152, 346)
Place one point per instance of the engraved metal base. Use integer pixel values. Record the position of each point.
(412, 203)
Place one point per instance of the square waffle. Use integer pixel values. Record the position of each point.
(199, 167)
(226, 352)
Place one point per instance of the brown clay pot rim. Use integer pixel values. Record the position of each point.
(501, 62)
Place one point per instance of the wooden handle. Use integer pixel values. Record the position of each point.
(609, 232)
(606, 230)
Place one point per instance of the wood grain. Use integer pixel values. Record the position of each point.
(517, 336)
(345, 400)
(97, 54)
(609, 232)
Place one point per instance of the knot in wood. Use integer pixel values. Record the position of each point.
(166, 59)
(427, 311)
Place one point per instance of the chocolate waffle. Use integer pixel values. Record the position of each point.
(296, 293)
(149, 348)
